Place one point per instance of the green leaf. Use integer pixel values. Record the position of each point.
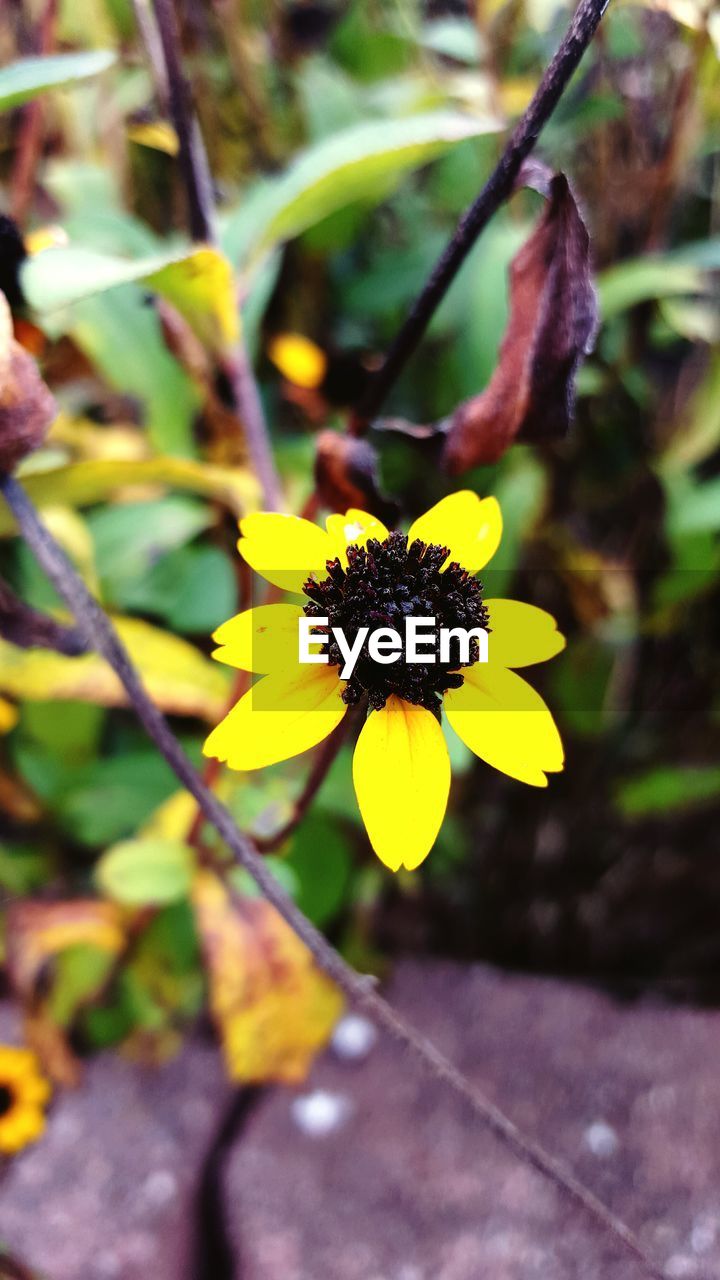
(70, 730)
(192, 589)
(579, 687)
(107, 1025)
(23, 868)
(697, 432)
(121, 336)
(145, 872)
(83, 484)
(197, 280)
(667, 789)
(692, 507)
(701, 253)
(520, 489)
(330, 101)
(644, 279)
(172, 938)
(130, 538)
(364, 162)
(700, 512)
(692, 517)
(476, 307)
(321, 861)
(28, 77)
(80, 971)
(59, 277)
(456, 38)
(107, 799)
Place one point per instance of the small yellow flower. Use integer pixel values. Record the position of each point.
(355, 572)
(23, 1095)
(298, 359)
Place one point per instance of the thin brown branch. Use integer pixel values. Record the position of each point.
(358, 988)
(201, 221)
(497, 190)
(193, 157)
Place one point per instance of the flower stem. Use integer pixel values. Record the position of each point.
(192, 154)
(497, 190)
(358, 988)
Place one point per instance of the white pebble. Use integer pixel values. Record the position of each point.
(704, 1233)
(680, 1267)
(319, 1113)
(159, 1188)
(601, 1139)
(353, 1037)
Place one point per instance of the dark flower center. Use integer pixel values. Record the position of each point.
(384, 584)
(7, 1099)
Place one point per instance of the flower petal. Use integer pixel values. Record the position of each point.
(281, 716)
(284, 549)
(354, 527)
(261, 639)
(401, 771)
(470, 526)
(521, 634)
(34, 1091)
(506, 723)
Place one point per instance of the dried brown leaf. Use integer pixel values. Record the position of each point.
(26, 406)
(553, 319)
(346, 475)
(37, 931)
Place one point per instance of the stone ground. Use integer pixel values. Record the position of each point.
(374, 1172)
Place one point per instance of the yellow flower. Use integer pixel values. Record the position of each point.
(23, 1094)
(355, 572)
(298, 359)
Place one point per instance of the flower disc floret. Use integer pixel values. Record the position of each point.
(386, 583)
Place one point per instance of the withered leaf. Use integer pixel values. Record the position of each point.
(346, 475)
(36, 935)
(552, 325)
(26, 406)
(273, 1008)
(37, 931)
